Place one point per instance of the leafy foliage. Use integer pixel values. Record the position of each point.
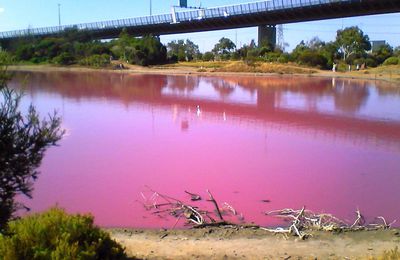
(392, 61)
(144, 51)
(382, 53)
(223, 48)
(74, 46)
(182, 50)
(352, 41)
(208, 56)
(96, 60)
(57, 235)
(23, 141)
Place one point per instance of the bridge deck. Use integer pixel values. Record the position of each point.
(225, 17)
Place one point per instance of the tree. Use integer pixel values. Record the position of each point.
(299, 49)
(352, 41)
(176, 50)
(382, 53)
(23, 141)
(396, 51)
(208, 56)
(224, 46)
(144, 51)
(191, 50)
(182, 50)
(315, 44)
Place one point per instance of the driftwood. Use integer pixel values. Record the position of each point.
(194, 197)
(302, 221)
(216, 205)
(163, 205)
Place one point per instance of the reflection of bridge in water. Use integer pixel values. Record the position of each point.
(343, 122)
(265, 14)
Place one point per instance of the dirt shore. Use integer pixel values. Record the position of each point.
(228, 243)
(389, 74)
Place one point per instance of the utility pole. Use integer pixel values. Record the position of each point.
(59, 15)
(151, 8)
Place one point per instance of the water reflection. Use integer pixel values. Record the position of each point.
(328, 106)
(347, 95)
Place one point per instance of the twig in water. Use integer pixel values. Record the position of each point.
(360, 220)
(194, 197)
(230, 208)
(216, 205)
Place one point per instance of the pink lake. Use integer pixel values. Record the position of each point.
(332, 145)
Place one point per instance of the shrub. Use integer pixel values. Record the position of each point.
(283, 59)
(371, 62)
(271, 56)
(97, 61)
(57, 235)
(313, 59)
(208, 56)
(391, 61)
(24, 138)
(64, 58)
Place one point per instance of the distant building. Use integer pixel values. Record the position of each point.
(375, 45)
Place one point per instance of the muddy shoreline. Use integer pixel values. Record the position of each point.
(232, 243)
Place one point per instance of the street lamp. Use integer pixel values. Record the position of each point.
(151, 8)
(59, 15)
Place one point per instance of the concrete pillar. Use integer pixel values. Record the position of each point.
(267, 35)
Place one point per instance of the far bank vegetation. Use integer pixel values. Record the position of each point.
(351, 49)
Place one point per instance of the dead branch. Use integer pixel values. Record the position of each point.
(300, 221)
(360, 220)
(216, 205)
(230, 208)
(194, 197)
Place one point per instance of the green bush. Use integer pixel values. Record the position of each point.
(283, 59)
(391, 61)
(64, 58)
(371, 62)
(57, 235)
(313, 59)
(208, 56)
(271, 56)
(97, 61)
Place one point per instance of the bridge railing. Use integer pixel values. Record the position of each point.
(183, 16)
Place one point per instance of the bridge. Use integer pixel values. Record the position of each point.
(264, 14)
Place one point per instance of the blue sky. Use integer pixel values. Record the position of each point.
(21, 14)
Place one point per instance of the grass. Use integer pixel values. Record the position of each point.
(389, 72)
(393, 254)
(203, 64)
(266, 67)
(240, 66)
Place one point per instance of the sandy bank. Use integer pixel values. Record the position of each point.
(220, 243)
(373, 74)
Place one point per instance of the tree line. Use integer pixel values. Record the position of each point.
(350, 47)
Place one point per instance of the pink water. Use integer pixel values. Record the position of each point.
(332, 145)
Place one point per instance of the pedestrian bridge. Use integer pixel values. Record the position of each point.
(260, 13)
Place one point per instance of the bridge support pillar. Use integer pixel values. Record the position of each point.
(267, 35)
